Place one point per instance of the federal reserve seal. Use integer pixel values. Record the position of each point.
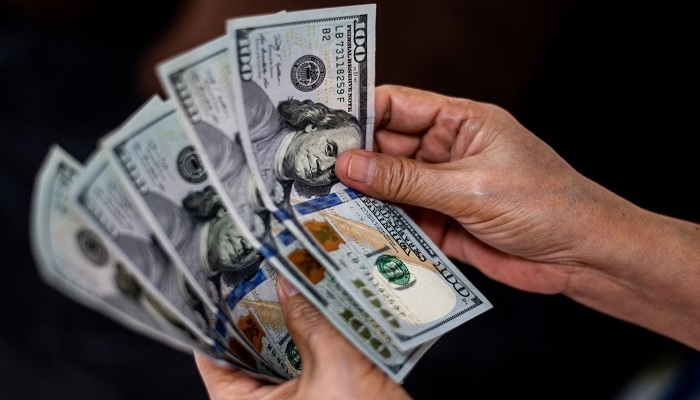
(292, 354)
(91, 246)
(308, 73)
(393, 270)
(189, 166)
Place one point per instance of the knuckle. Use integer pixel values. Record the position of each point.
(399, 179)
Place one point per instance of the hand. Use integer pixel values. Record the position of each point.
(493, 195)
(331, 367)
(486, 189)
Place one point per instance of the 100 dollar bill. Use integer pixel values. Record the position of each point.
(163, 174)
(101, 197)
(198, 80)
(303, 84)
(399, 270)
(73, 258)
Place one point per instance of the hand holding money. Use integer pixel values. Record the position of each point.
(425, 140)
(328, 354)
(494, 195)
(185, 217)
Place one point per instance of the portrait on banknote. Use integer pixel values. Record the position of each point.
(229, 164)
(101, 199)
(199, 81)
(199, 200)
(303, 86)
(163, 173)
(200, 228)
(172, 184)
(297, 142)
(130, 296)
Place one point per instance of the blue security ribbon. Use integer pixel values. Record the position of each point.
(243, 288)
(286, 237)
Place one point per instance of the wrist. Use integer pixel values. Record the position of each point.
(643, 268)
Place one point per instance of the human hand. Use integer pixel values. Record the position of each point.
(493, 195)
(489, 192)
(332, 367)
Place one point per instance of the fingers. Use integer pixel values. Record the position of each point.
(425, 125)
(311, 332)
(325, 353)
(224, 381)
(407, 110)
(397, 179)
(331, 366)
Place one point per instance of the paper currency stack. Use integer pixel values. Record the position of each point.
(179, 223)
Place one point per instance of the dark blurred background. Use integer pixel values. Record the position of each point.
(612, 88)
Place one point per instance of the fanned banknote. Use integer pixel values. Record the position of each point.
(178, 224)
(162, 173)
(74, 259)
(101, 197)
(198, 80)
(303, 85)
(398, 268)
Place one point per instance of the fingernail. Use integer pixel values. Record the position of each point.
(288, 290)
(361, 168)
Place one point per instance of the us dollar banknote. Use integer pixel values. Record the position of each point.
(303, 85)
(179, 224)
(101, 197)
(303, 88)
(398, 266)
(349, 316)
(75, 259)
(199, 81)
(164, 176)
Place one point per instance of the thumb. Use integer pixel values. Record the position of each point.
(394, 179)
(311, 332)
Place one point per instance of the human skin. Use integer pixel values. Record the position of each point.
(332, 367)
(493, 195)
